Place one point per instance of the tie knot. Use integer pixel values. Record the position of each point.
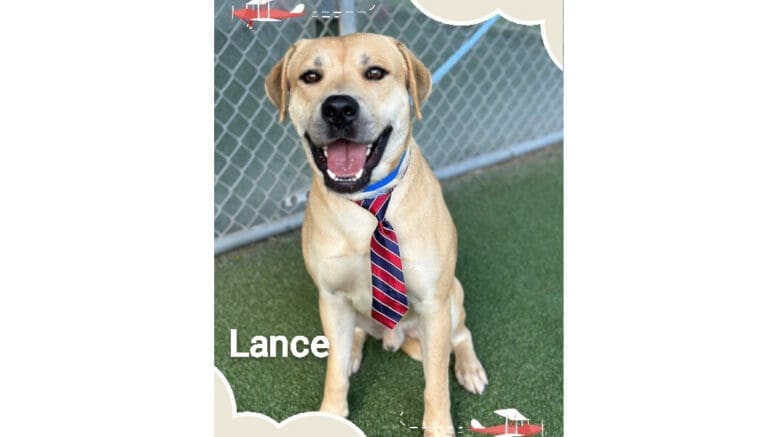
(377, 205)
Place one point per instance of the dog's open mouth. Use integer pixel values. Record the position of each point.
(347, 165)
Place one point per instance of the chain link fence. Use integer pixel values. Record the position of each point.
(506, 91)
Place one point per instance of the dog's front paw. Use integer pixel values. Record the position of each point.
(336, 408)
(471, 374)
(438, 428)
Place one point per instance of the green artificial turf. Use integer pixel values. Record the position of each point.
(509, 221)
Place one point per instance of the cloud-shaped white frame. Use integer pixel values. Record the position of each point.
(548, 14)
(230, 423)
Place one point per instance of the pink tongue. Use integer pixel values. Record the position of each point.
(345, 158)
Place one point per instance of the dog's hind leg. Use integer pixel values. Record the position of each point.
(469, 371)
(359, 337)
(412, 347)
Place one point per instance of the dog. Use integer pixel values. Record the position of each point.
(349, 99)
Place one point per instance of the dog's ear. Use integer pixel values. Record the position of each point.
(277, 84)
(419, 80)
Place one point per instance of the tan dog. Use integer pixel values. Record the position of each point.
(348, 98)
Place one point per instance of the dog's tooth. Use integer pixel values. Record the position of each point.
(326, 155)
(359, 173)
(331, 174)
(369, 149)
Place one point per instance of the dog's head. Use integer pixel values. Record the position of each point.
(349, 99)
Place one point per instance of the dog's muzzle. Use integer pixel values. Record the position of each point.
(347, 164)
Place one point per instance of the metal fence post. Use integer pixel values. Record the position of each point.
(347, 17)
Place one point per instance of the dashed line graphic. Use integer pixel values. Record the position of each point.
(335, 14)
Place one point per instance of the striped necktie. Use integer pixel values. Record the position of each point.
(389, 295)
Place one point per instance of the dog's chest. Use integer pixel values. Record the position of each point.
(349, 274)
(339, 258)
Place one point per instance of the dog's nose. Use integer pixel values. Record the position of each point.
(340, 110)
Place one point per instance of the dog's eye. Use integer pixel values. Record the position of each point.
(375, 73)
(310, 76)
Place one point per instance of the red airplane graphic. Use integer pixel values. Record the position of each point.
(520, 427)
(517, 430)
(266, 13)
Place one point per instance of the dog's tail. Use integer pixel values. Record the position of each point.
(412, 347)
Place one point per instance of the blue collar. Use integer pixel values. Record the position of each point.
(377, 185)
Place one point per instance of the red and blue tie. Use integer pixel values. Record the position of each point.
(389, 295)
